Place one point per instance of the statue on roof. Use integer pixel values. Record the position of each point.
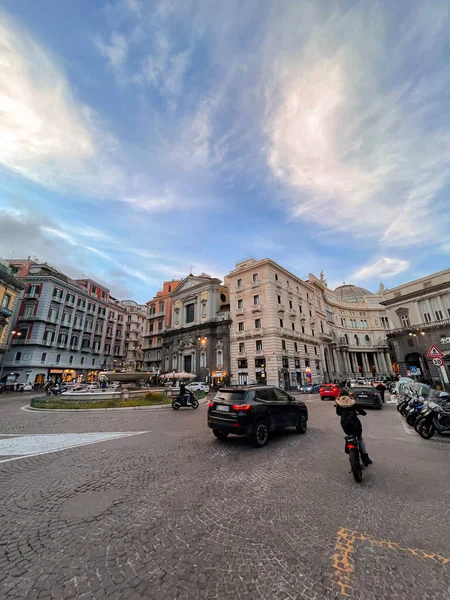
(322, 279)
(381, 289)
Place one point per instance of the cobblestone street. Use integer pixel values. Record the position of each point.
(170, 512)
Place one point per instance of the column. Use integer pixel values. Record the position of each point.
(335, 363)
(351, 359)
(365, 363)
(346, 362)
(388, 362)
(376, 363)
(381, 361)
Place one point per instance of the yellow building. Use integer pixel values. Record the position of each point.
(10, 289)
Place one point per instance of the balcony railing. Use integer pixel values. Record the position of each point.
(5, 312)
(422, 326)
(31, 295)
(256, 283)
(256, 308)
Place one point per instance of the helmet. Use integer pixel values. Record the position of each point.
(443, 395)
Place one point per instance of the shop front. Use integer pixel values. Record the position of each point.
(218, 378)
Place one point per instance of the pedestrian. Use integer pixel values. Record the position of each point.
(381, 389)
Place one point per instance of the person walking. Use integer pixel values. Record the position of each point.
(381, 388)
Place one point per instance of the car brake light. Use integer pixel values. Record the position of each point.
(242, 406)
(210, 404)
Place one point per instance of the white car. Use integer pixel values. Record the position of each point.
(26, 387)
(198, 386)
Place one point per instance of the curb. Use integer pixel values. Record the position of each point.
(97, 410)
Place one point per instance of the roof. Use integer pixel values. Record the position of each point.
(351, 293)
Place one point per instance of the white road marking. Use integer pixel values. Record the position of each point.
(408, 429)
(25, 446)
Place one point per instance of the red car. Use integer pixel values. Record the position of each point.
(329, 390)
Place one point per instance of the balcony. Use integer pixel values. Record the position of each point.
(91, 311)
(240, 312)
(258, 332)
(85, 349)
(242, 354)
(70, 303)
(278, 286)
(240, 335)
(53, 319)
(259, 353)
(57, 299)
(292, 314)
(61, 344)
(5, 312)
(281, 308)
(239, 288)
(257, 308)
(256, 283)
(73, 347)
(77, 326)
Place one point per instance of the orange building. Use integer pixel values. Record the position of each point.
(159, 318)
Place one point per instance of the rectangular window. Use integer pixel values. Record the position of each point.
(239, 283)
(29, 310)
(306, 349)
(255, 277)
(283, 344)
(293, 326)
(290, 304)
(281, 323)
(296, 346)
(343, 322)
(241, 326)
(439, 315)
(150, 329)
(259, 346)
(18, 356)
(385, 322)
(93, 361)
(300, 308)
(190, 308)
(240, 303)
(315, 349)
(70, 360)
(297, 363)
(58, 359)
(303, 329)
(94, 289)
(313, 333)
(43, 357)
(257, 323)
(241, 347)
(285, 362)
(256, 300)
(405, 321)
(6, 300)
(279, 299)
(307, 364)
(82, 360)
(276, 277)
(23, 333)
(160, 325)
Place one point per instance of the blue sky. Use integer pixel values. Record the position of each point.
(140, 137)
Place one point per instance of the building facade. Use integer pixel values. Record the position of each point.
(419, 316)
(158, 319)
(134, 330)
(10, 290)
(68, 329)
(198, 339)
(358, 324)
(278, 332)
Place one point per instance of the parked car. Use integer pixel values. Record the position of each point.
(198, 386)
(25, 387)
(255, 411)
(309, 388)
(367, 395)
(329, 390)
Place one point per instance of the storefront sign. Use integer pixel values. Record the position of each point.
(55, 371)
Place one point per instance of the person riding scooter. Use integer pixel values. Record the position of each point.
(185, 394)
(348, 411)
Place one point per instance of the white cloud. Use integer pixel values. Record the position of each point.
(46, 135)
(134, 6)
(349, 133)
(383, 268)
(115, 52)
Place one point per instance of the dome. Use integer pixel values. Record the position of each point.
(351, 293)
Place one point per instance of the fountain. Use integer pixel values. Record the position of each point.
(129, 387)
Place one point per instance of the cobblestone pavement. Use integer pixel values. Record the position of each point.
(175, 513)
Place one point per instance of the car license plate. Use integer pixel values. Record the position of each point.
(223, 408)
(363, 396)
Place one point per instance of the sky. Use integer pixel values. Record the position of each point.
(143, 139)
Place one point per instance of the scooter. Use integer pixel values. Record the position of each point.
(414, 410)
(180, 401)
(435, 417)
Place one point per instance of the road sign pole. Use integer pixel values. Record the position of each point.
(444, 376)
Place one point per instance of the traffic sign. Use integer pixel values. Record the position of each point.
(434, 351)
(437, 360)
(414, 370)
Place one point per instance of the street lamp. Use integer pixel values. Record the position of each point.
(16, 334)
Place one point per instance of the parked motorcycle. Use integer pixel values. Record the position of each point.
(414, 409)
(55, 390)
(180, 401)
(435, 418)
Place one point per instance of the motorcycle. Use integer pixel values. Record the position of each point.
(414, 409)
(404, 402)
(55, 390)
(180, 401)
(436, 418)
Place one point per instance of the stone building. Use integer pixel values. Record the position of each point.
(10, 290)
(197, 341)
(278, 326)
(158, 319)
(419, 316)
(134, 330)
(358, 324)
(68, 328)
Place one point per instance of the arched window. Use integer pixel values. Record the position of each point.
(356, 340)
(346, 339)
(202, 360)
(367, 340)
(219, 359)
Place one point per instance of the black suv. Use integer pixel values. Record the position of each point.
(255, 411)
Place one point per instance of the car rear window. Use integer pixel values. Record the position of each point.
(366, 390)
(236, 397)
(329, 385)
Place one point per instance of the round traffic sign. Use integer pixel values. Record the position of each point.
(438, 361)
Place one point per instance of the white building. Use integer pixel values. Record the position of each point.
(278, 329)
(134, 331)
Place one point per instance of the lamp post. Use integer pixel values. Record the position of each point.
(203, 341)
(13, 334)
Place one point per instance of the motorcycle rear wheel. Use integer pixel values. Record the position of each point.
(355, 466)
(176, 405)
